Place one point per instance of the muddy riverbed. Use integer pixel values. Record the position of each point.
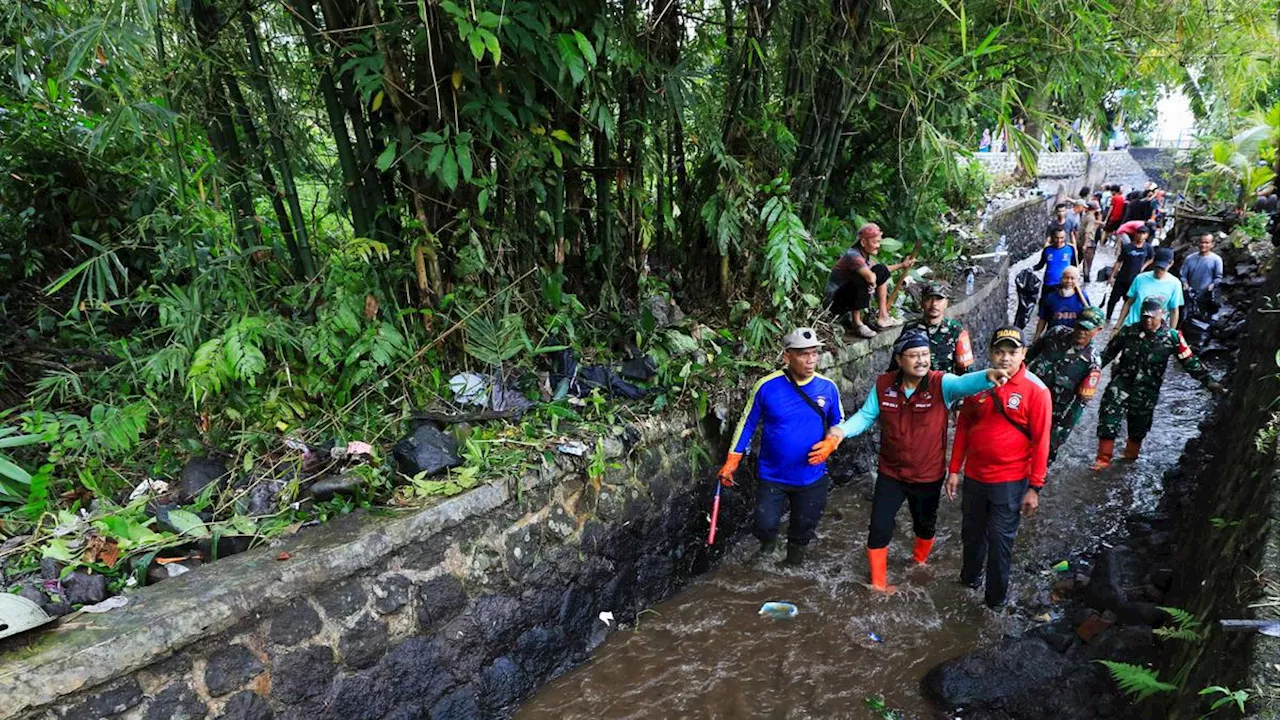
(706, 653)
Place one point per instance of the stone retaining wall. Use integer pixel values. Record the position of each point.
(1095, 164)
(1228, 559)
(455, 611)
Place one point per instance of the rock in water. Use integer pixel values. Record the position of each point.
(199, 473)
(81, 588)
(984, 678)
(426, 450)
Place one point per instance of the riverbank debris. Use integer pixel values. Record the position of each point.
(779, 610)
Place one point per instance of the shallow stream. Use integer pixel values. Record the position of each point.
(706, 653)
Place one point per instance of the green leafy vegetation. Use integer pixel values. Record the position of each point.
(230, 227)
(1136, 681)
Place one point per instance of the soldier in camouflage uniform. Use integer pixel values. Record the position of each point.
(1063, 357)
(1135, 383)
(950, 350)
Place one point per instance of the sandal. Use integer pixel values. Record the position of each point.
(890, 323)
(863, 331)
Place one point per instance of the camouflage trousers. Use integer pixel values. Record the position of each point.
(1062, 428)
(1120, 404)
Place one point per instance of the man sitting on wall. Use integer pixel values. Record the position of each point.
(857, 276)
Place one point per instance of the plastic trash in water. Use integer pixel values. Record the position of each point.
(874, 637)
(779, 610)
(1062, 566)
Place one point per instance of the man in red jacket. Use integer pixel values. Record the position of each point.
(1002, 447)
(911, 404)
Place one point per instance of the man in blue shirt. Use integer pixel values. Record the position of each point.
(1060, 308)
(1158, 282)
(1055, 258)
(794, 407)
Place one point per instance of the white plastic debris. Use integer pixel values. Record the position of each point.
(355, 447)
(573, 448)
(146, 487)
(470, 389)
(111, 603)
(295, 444)
(606, 617)
(176, 569)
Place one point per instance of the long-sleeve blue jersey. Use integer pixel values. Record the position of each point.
(791, 427)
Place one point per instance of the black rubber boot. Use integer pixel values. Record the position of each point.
(795, 555)
(767, 548)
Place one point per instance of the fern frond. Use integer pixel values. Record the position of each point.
(1176, 634)
(165, 365)
(206, 374)
(1183, 618)
(786, 247)
(1138, 682)
(242, 351)
(494, 343)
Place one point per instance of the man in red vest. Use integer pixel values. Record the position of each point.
(1002, 447)
(911, 403)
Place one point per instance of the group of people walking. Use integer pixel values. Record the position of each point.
(1012, 419)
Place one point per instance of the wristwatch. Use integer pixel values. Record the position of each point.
(1032, 487)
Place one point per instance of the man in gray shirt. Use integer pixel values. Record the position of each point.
(1202, 271)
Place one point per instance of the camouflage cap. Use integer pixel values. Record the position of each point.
(1153, 307)
(1091, 318)
(936, 289)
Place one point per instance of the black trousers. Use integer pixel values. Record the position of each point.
(856, 294)
(1118, 292)
(921, 498)
(806, 502)
(991, 515)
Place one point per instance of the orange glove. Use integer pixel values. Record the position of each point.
(822, 450)
(729, 468)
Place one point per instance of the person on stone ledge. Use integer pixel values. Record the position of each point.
(1002, 449)
(794, 407)
(857, 276)
(950, 349)
(1134, 390)
(911, 402)
(1063, 357)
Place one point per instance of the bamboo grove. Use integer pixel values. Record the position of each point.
(293, 199)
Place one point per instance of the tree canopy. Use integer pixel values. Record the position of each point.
(222, 217)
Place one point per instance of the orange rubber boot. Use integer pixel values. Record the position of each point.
(921, 551)
(1131, 449)
(878, 559)
(1106, 448)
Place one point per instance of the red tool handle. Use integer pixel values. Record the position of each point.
(715, 515)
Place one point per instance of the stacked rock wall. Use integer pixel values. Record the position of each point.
(459, 610)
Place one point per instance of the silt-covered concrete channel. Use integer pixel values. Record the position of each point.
(706, 652)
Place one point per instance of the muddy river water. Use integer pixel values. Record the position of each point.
(706, 653)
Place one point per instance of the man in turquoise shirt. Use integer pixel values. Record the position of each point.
(1155, 283)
